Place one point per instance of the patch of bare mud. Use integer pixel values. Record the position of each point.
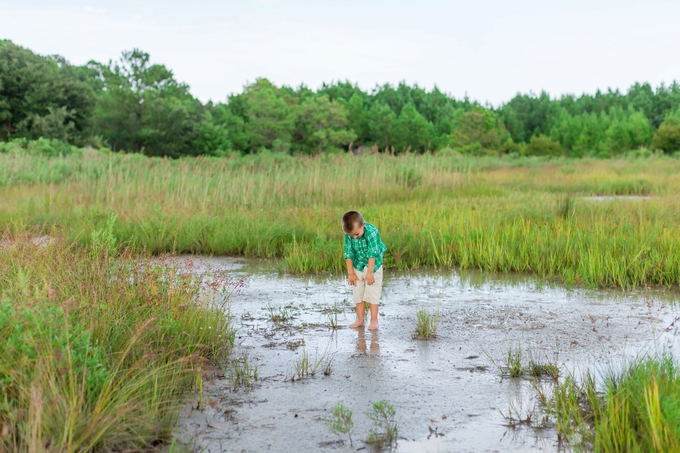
(447, 393)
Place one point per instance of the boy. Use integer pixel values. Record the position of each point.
(364, 255)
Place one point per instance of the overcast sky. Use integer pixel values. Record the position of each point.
(489, 49)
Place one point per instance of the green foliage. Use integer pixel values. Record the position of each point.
(385, 429)
(542, 145)
(134, 106)
(426, 324)
(634, 410)
(43, 97)
(98, 355)
(667, 137)
(340, 421)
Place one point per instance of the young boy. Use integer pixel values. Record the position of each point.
(364, 255)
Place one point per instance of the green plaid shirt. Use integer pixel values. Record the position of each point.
(369, 245)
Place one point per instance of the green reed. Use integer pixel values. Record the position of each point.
(500, 214)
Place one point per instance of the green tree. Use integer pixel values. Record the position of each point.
(667, 137)
(413, 131)
(541, 145)
(43, 97)
(144, 109)
(322, 126)
(383, 123)
(476, 131)
(271, 117)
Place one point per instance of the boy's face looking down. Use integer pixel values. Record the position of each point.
(358, 231)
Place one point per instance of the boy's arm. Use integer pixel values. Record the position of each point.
(349, 260)
(370, 278)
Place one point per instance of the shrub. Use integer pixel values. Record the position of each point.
(542, 145)
(667, 137)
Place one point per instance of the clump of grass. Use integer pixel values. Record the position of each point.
(242, 372)
(279, 314)
(307, 367)
(385, 429)
(332, 314)
(427, 324)
(98, 354)
(518, 362)
(633, 410)
(340, 422)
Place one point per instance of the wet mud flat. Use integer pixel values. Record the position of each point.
(448, 393)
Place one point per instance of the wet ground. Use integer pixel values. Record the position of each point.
(448, 394)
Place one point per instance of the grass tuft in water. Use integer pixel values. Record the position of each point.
(242, 372)
(279, 315)
(427, 323)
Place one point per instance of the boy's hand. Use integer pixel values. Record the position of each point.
(352, 279)
(370, 278)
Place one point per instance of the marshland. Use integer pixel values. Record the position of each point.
(508, 290)
(171, 272)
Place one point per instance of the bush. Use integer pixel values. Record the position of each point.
(667, 137)
(543, 146)
(42, 146)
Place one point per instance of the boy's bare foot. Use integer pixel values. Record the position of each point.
(373, 325)
(357, 323)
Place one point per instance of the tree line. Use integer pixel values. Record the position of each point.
(132, 105)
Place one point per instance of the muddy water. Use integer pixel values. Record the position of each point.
(447, 393)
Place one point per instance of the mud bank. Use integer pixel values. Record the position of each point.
(448, 394)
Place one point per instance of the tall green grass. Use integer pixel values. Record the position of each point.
(635, 410)
(501, 214)
(98, 352)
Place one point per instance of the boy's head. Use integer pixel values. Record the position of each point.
(353, 224)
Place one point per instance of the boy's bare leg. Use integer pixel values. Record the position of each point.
(374, 317)
(361, 312)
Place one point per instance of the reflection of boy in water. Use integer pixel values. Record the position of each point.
(363, 253)
(361, 342)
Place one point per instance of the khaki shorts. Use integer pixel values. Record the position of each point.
(368, 293)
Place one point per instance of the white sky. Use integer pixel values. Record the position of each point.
(489, 49)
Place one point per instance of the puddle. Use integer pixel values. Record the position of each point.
(618, 197)
(447, 394)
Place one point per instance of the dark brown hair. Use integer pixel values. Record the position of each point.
(350, 220)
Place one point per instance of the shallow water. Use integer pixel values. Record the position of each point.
(447, 392)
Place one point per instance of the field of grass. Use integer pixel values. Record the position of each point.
(442, 210)
(98, 352)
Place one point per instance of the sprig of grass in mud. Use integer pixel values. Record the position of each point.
(98, 354)
(279, 314)
(242, 372)
(427, 324)
(340, 422)
(306, 367)
(385, 429)
(515, 364)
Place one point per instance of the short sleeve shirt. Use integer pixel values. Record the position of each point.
(369, 245)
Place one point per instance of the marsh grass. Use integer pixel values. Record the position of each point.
(279, 315)
(636, 409)
(98, 354)
(518, 362)
(305, 366)
(497, 214)
(242, 373)
(426, 324)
